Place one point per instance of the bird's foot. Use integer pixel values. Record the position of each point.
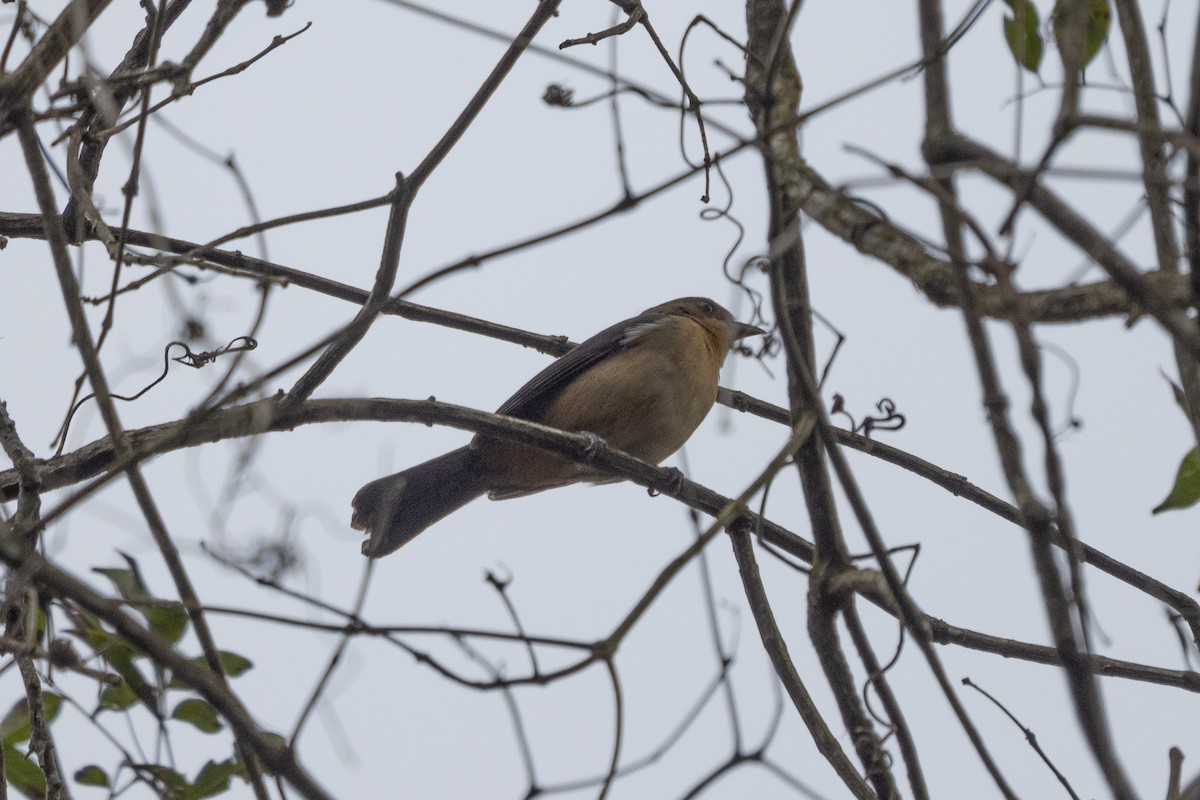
(595, 445)
(670, 480)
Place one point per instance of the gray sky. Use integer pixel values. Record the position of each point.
(328, 119)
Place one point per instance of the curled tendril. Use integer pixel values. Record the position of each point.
(890, 421)
(190, 359)
(198, 360)
(838, 406)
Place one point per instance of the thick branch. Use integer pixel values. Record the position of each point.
(99, 457)
(939, 129)
(19, 85)
(268, 415)
(839, 214)
(1149, 296)
(773, 97)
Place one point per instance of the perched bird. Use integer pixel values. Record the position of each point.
(642, 385)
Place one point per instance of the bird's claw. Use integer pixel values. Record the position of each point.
(670, 480)
(595, 445)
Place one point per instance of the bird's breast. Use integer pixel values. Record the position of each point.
(648, 398)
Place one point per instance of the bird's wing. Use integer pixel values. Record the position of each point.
(529, 401)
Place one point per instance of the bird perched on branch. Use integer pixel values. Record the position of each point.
(643, 386)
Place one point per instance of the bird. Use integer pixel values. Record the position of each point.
(642, 385)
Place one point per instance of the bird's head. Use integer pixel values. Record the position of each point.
(712, 317)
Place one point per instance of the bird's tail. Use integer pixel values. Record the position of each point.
(395, 509)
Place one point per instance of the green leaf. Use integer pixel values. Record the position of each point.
(134, 681)
(15, 726)
(1186, 491)
(1074, 33)
(239, 768)
(168, 621)
(175, 784)
(23, 773)
(91, 775)
(120, 656)
(128, 582)
(232, 663)
(212, 779)
(235, 664)
(199, 713)
(1021, 31)
(117, 698)
(1099, 20)
(106, 644)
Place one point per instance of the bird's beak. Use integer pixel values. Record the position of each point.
(740, 330)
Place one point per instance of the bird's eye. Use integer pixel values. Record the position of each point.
(707, 307)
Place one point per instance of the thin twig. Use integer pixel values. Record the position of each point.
(406, 193)
(1030, 737)
(777, 650)
(190, 89)
(56, 236)
(41, 742)
(334, 659)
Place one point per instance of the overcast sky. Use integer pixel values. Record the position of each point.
(328, 119)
